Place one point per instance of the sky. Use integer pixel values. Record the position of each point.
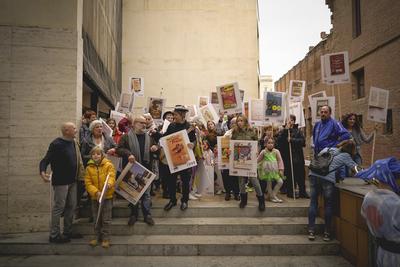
(287, 29)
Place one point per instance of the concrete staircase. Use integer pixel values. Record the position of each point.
(210, 227)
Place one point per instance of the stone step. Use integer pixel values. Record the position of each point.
(174, 261)
(297, 208)
(205, 226)
(173, 245)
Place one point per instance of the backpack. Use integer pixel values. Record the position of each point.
(321, 162)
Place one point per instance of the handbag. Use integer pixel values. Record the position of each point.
(321, 162)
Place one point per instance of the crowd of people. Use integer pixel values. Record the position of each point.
(281, 166)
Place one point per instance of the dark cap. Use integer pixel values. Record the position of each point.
(166, 113)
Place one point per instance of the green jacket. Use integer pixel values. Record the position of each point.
(248, 134)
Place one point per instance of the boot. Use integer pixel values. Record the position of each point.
(227, 196)
(243, 200)
(134, 214)
(261, 203)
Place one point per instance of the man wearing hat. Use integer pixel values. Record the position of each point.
(177, 125)
(136, 146)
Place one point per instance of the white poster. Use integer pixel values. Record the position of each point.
(179, 156)
(275, 107)
(133, 182)
(155, 107)
(117, 116)
(126, 102)
(229, 98)
(243, 158)
(296, 108)
(223, 143)
(208, 113)
(378, 104)
(335, 68)
(166, 123)
(256, 112)
(317, 94)
(107, 129)
(136, 86)
(193, 112)
(317, 103)
(296, 90)
(202, 101)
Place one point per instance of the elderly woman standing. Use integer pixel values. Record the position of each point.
(242, 131)
(96, 137)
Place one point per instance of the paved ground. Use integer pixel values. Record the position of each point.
(117, 261)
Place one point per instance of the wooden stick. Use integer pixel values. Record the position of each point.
(373, 146)
(50, 197)
(339, 104)
(291, 164)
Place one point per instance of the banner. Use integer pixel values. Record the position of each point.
(335, 68)
(296, 90)
(243, 158)
(229, 98)
(136, 86)
(155, 107)
(256, 112)
(208, 113)
(378, 104)
(223, 152)
(317, 103)
(179, 156)
(274, 106)
(133, 182)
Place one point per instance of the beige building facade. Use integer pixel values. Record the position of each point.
(45, 64)
(370, 32)
(184, 49)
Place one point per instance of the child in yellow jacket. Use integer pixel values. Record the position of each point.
(96, 174)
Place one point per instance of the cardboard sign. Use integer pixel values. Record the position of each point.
(335, 68)
(378, 104)
(243, 158)
(229, 98)
(136, 86)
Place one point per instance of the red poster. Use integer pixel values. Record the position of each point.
(337, 64)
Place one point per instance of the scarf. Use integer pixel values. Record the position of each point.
(135, 148)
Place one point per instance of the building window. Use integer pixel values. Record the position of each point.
(359, 86)
(356, 18)
(389, 122)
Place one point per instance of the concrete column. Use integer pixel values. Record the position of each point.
(40, 87)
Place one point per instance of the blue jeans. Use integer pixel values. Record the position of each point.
(318, 186)
(145, 201)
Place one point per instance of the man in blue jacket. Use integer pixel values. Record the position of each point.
(328, 132)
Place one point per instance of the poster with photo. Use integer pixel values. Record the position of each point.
(214, 101)
(296, 108)
(136, 86)
(296, 90)
(223, 152)
(335, 68)
(126, 102)
(155, 107)
(208, 113)
(274, 107)
(241, 92)
(202, 101)
(229, 98)
(243, 159)
(179, 156)
(193, 112)
(133, 182)
(317, 103)
(256, 112)
(317, 94)
(378, 104)
(245, 108)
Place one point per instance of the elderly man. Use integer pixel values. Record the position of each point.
(136, 146)
(66, 163)
(328, 132)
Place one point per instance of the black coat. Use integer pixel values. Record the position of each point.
(297, 144)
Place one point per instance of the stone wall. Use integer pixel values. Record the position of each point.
(40, 87)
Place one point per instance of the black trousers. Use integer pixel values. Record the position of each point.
(231, 183)
(185, 178)
(164, 174)
(299, 178)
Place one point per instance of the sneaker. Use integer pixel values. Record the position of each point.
(93, 242)
(192, 197)
(327, 237)
(274, 200)
(197, 195)
(249, 189)
(105, 243)
(278, 200)
(311, 235)
(60, 239)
